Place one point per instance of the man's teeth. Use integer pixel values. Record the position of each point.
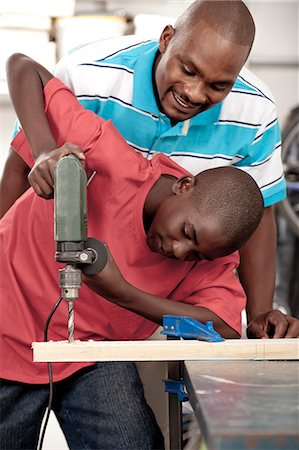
(180, 101)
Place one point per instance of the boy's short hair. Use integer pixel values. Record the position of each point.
(231, 197)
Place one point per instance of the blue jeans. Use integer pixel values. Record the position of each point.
(100, 407)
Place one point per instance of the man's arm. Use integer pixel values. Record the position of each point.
(25, 76)
(257, 275)
(257, 266)
(13, 182)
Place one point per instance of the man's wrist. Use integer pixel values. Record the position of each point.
(253, 314)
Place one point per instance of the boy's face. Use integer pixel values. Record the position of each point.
(179, 232)
(195, 70)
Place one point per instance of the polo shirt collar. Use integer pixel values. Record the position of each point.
(207, 117)
(144, 96)
(143, 93)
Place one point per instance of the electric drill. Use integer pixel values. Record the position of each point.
(73, 247)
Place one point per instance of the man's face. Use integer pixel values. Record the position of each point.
(195, 71)
(178, 232)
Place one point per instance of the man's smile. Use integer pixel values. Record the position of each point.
(184, 105)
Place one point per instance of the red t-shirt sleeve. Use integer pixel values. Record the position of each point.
(68, 120)
(214, 285)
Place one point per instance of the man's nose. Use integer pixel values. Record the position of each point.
(196, 92)
(182, 249)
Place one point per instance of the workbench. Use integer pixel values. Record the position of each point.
(245, 393)
(245, 404)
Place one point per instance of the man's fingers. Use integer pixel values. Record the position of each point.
(279, 324)
(256, 331)
(293, 330)
(280, 330)
(273, 324)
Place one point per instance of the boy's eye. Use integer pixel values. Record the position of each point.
(185, 232)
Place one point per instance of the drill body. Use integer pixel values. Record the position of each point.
(73, 248)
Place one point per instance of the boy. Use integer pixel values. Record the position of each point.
(172, 237)
(188, 96)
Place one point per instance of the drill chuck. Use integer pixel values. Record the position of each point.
(70, 280)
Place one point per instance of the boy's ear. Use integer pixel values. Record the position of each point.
(165, 37)
(183, 184)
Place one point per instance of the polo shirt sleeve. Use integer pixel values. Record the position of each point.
(68, 119)
(214, 285)
(263, 161)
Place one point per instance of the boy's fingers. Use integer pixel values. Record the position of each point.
(42, 182)
(43, 171)
(42, 188)
(41, 177)
(75, 149)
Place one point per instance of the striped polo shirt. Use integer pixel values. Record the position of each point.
(113, 78)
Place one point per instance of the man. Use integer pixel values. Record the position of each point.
(186, 98)
(171, 237)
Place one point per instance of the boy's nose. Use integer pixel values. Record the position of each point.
(182, 249)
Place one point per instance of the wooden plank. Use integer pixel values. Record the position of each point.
(177, 350)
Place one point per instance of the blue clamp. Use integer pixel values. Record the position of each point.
(188, 328)
(177, 387)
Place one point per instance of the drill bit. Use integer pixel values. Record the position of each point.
(71, 320)
(70, 279)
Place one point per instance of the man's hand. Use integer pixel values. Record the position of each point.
(41, 176)
(273, 324)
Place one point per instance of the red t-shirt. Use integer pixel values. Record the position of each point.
(115, 198)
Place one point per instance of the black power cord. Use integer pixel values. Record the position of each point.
(49, 407)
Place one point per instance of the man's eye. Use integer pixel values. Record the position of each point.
(187, 71)
(218, 88)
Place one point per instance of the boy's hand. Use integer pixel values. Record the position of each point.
(41, 176)
(273, 324)
(109, 282)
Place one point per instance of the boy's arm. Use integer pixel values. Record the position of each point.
(110, 284)
(26, 81)
(219, 288)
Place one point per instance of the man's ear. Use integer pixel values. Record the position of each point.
(183, 184)
(165, 37)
